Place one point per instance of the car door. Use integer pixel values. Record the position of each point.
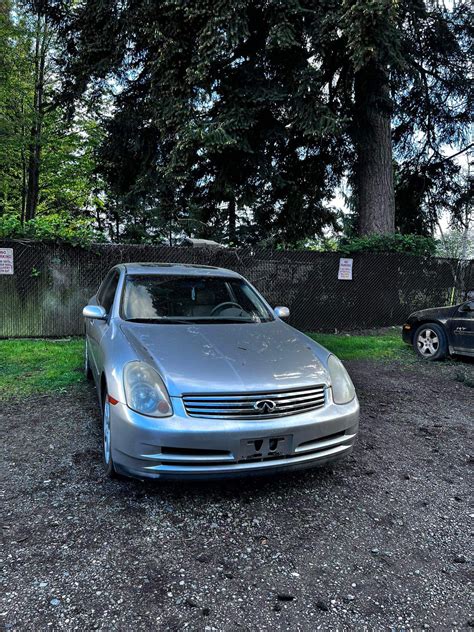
(462, 329)
(97, 328)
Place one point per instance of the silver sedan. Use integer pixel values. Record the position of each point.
(198, 377)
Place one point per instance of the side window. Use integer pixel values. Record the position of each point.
(107, 292)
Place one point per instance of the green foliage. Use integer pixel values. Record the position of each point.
(68, 185)
(56, 227)
(16, 96)
(412, 244)
(205, 136)
(68, 180)
(371, 29)
(319, 244)
(249, 106)
(231, 120)
(456, 243)
(28, 367)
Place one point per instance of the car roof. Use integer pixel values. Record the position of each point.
(185, 269)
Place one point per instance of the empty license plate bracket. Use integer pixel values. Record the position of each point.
(265, 447)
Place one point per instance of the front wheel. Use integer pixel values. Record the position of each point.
(430, 342)
(107, 437)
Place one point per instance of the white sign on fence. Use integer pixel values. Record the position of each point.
(345, 270)
(6, 260)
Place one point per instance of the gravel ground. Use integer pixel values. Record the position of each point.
(378, 541)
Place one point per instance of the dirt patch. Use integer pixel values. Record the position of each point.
(379, 540)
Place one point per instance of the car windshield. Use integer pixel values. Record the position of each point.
(184, 299)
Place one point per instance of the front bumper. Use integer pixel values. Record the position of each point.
(186, 447)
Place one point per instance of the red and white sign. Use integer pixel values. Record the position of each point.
(345, 270)
(6, 260)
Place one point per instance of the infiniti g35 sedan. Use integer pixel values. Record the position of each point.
(198, 377)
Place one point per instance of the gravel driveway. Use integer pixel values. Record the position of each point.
(381, 540)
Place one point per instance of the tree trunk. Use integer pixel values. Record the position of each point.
(24, 172)
(231, 216)
(467, 217)
(32, 194)
(374, 167)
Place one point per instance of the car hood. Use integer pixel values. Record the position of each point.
(228, 357)
(436, 312)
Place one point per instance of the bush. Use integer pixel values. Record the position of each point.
(412, 244)
(76, 231)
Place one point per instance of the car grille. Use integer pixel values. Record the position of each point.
(250, 406)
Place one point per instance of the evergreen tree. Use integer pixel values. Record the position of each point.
(405, 72)
(239, 118)
(218, 126)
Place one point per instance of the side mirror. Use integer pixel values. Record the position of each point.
(468, 307)
(94, 311)
(281, 312)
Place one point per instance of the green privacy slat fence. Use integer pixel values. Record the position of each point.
(51, 283)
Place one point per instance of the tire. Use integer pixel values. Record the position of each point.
(87, 366)
(430, 342)
(109, 468)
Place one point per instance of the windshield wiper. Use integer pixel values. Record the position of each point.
(212, 321)
(191, 321)
(234, 320)
(170, 321)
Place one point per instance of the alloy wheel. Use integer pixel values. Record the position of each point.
(428, 342)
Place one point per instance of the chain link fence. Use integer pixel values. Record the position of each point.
(51, 284)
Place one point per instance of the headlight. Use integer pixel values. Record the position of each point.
(343, 390)
(145, 392)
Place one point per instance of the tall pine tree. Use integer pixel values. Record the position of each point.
(240, 118)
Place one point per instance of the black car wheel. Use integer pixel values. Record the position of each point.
(430, 342)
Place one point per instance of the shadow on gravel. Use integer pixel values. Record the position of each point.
(244, 489)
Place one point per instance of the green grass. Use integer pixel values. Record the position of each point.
(387, 345)
(39, 366)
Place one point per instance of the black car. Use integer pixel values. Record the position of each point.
(441, 330)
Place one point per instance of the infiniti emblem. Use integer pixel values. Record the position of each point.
(265, 406)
